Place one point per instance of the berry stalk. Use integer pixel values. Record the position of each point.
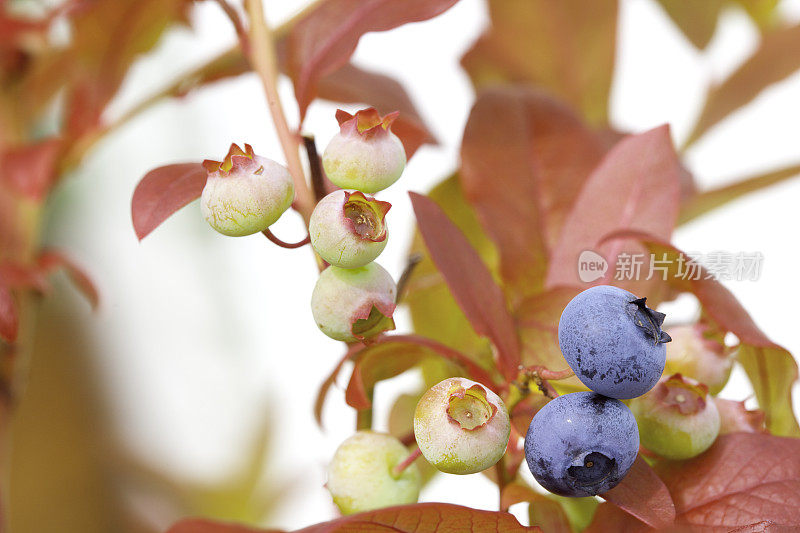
(405, 463)
(283, 244)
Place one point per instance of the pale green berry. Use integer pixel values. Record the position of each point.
(693, 354)
(351, 304)
(365, 154)
(461, 427)
(677, 419)
(348, 229)
(245, 193)
(361, 476)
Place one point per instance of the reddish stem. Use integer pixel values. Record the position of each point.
(238, 25)
(546, 373)
(269, 235)
(397, 470)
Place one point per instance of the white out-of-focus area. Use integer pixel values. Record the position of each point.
(205, 340)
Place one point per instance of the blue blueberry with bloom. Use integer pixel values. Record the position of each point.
(613, 342)
(581, 444)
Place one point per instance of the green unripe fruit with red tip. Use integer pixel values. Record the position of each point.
(365, 154)
(694, 355)
(677, 419)
(245, 193)
(461, 427)
(348, 228)
(362, 475)
(352, 304)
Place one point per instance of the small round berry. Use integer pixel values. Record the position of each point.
(581, 444)
(245, 193)
(694, 355)
(361, 477)
(365, 154)
(348, 229)
(613, 341)
(351, 304)
(678, 419)
(461, 427)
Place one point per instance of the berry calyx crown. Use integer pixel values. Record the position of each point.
(470, 408)
(236, 161)
(684, 394)
(366, 123)
(365, 215)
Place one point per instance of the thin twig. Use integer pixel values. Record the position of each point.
(264, 61)
(317, 176)
(408, 461)
(283, 244)
(238, 25)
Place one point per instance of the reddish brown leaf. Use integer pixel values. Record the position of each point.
(393, 355)
(524, 158)
(743, 479)
(773, 61)
(771, 369)
(9, 319)
(735, 418)
(350, 84)
(642, 494)
(469, 280)
(50, 260)
(544, 512)
(324, 40)
(567, 47)
(635, 187)
(609, 517)
(17, 276)
(162, 192)
(418, 518)
(31, 169)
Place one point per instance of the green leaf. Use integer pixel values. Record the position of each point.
(701, 203)
(774, 60)
(567, 47)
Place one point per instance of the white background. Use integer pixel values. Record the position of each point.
(204, 337)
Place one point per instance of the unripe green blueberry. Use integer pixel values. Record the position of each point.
(354, 303)
(361, 477)
(364, 155)
(348, 229)
(694, 355)
(245, 193)
(461, 427)
(677, 419)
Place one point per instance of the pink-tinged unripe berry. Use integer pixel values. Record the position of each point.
(677, 419)
(361, 476)
(348, 228)
(365, 154)
(735, 418)
(693, 354)
(461, 427)
(351, 304)
(245, 193)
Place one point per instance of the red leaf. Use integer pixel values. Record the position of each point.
(635, 187)
(418, 518)
(544, 512)
(162, 192)
(742, 480)
(524, 158)
(393, 355)
(50, 260)
(643, 495)
(325, 39)
(469, 280)
(9, 319)
(17, 276)
(31, 169)
(350, 84)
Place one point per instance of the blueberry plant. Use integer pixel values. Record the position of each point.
(614, 411)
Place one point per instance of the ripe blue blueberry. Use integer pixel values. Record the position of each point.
(581, 444)
(613, 341)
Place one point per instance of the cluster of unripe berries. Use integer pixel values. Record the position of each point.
(578, 444)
